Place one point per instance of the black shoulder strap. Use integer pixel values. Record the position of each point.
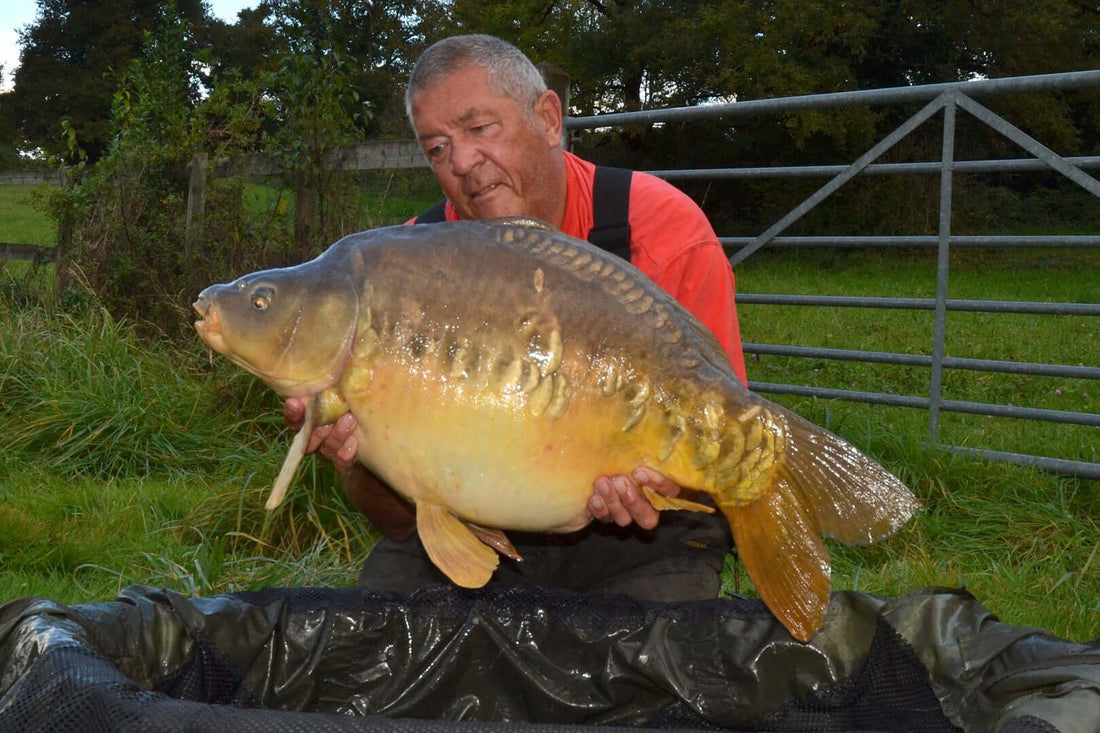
(435, 214)
(611, 210)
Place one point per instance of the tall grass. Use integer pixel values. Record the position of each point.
(130, 461)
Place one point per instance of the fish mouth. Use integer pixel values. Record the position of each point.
(208, 324)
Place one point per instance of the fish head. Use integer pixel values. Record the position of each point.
(292, 327)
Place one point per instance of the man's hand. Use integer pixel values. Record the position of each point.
(335, 442)
(619, 499)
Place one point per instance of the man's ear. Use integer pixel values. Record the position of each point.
(548, 113)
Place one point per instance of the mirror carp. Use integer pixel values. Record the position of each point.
(496, 368)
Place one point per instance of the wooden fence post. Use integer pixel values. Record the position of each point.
(196, 205)
(306, 195)
(64, 245)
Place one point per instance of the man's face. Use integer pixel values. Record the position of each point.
(490, 157)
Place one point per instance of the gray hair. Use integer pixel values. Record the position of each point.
(511, 73)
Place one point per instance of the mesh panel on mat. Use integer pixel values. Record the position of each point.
(451, 659)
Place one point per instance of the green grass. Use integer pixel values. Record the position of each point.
(21, 221)
(129, 462)
(1026, 275)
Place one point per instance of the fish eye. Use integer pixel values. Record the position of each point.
(261, 298)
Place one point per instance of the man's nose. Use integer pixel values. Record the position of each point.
(464, 158)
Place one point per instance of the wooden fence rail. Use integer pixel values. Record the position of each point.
(378, 155)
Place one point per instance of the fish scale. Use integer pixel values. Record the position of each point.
(497, 368)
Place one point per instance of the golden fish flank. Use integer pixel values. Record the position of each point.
(497, 368)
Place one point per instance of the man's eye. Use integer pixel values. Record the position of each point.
(435, 152)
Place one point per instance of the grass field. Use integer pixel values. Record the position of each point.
(133, 462)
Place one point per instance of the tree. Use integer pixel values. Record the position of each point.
(637, 54)
(72, 60)
(372, 37)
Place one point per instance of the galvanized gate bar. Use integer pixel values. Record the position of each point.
(1088, 419)
(1031, 145)
(922, 360)
(754, 107)
(874, 398)
(943, 266)
(973, 306)
(1054, 465)
(930, 240)
(850, 172)
(1006, 165)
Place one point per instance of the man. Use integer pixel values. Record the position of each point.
(492, 133)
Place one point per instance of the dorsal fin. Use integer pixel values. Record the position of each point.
(530, 222)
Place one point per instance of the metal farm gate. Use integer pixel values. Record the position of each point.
(948, 98)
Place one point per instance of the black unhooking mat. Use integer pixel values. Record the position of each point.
(523, 659)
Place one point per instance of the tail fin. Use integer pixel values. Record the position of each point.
(785, 557)
(852, 498)
(818, 486)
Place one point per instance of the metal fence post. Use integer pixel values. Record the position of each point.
(943, 264)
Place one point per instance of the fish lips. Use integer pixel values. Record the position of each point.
(209, 324)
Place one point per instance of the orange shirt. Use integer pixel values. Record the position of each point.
(671, 241)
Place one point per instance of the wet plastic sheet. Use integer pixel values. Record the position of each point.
(450, 659)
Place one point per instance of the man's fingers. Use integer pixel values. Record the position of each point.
(655, 481)
(605, 504)
(335, 442)
(617, 499)
(335, 438)
(317, 438)
(294, 412)
(345, 456)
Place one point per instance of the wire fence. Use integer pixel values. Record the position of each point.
(945, 99)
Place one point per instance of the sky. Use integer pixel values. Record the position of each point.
(15, 14)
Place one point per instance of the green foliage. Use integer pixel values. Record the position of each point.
(317, 111)
(132, 245)
(72, 62)
(377, 42)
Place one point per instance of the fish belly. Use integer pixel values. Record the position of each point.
(477, 453)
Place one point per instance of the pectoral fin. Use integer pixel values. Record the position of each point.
(293, 459)
(453, 546)
(661, 502)
(496, 539)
